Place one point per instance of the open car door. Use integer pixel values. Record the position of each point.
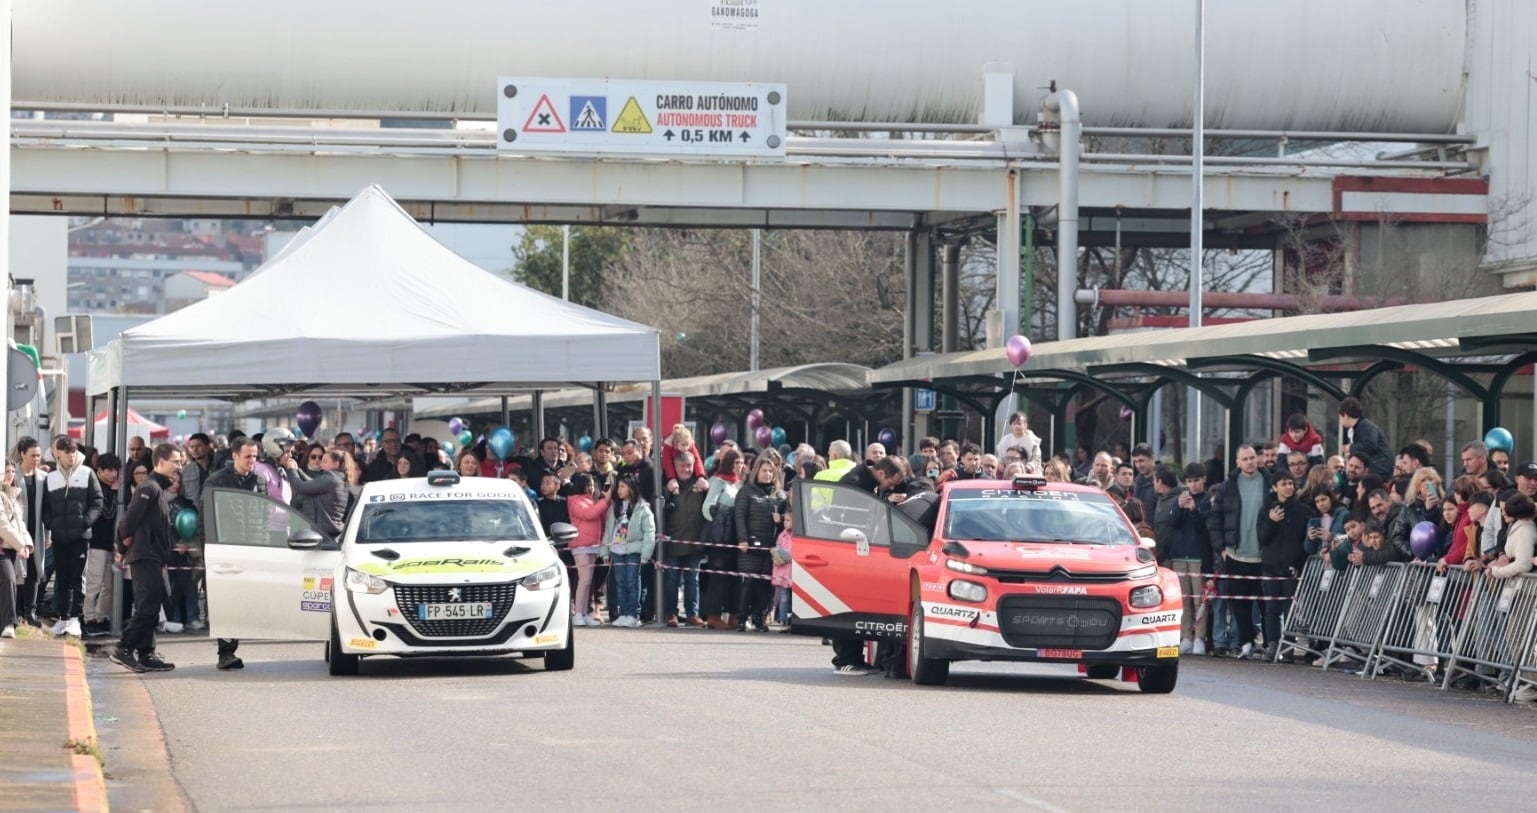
(269, 571)
(846, 579)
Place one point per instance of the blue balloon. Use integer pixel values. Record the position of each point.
(500, 443)
(584, 443)
(1499, 438)
(778, 436)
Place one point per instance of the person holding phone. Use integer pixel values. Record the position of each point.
(1422, 503)
(1284, 524)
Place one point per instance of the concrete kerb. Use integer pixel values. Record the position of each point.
(90, 781)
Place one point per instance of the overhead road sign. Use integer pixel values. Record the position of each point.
(640, 117)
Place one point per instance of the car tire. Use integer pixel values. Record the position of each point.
(1157, 679)
(923, 670)
(341, 664)
(562, 660)
(1103, 671)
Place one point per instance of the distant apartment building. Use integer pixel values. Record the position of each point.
(128, 265)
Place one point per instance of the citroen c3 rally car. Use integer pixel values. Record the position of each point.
(434, 565)
(1021, 570)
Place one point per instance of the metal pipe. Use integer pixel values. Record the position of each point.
(757, 298)
(1197, 196)
(1098, 297)
(950, 298)
(1061, 108)
(565, 263)
(1244, 161)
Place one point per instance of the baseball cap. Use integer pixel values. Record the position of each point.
(1527, 469)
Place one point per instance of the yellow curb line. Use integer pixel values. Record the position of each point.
(90, 784)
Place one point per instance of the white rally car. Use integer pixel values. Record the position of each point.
(427, 566)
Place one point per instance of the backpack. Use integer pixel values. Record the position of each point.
(721, 529)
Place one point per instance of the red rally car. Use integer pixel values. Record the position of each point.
(1021, 570)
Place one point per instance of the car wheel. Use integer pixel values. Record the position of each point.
(1157, 679)
(923, 670)
(561, 660)
(341, 663)
(1103, 671)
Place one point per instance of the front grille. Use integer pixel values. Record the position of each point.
(1059, 622)
(501, 597)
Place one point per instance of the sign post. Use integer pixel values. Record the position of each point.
(635, 117)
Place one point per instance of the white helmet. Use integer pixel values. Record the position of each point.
(277, 441)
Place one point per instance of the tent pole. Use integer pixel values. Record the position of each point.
(538, 423)
(600, 409)
(659, 487)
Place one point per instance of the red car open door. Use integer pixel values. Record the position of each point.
(846, 582)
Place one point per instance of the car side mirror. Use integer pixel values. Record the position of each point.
(563, 533)
(861, 542)
(306, 539)
(1149, 542)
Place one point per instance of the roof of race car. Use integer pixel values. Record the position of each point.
(467, 488)
(1008, 485)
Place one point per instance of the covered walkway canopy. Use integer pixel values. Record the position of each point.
(1477, 345)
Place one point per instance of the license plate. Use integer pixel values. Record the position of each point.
(454, 611)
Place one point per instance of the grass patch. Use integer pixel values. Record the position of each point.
(86, 747)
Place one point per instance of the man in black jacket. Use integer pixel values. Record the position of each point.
(1366, 438)
(144, 544)
(240, 473)
(682, 558)
(1283, 530)
(71, 506)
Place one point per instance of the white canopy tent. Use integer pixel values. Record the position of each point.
(366, 303)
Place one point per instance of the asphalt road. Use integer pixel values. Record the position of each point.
(680, 720)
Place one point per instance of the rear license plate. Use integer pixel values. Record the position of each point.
(456, 610)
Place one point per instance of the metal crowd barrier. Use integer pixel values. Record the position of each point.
(1412, 620)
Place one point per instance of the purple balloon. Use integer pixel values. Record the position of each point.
(754, 419)
(309, 418)
(765, 437)
(1423, 540)
(887, 438)
(718, 433)
(1126, 413)
(1018, 350)
(455, 425)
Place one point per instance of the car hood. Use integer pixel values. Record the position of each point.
(1044, 556)
(452, 561)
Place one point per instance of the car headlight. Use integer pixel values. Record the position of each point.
(967, 591)
(543, 579)
(965, 567)
(1143, 573)
(360, 582)
(1148, 596)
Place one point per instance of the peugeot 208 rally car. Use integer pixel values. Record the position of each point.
(434, 565)
(1021, 570)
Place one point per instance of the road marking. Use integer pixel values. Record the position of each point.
(1038, 804)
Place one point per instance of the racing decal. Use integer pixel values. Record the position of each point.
(362, 643)
(450, 564)
(546, 638)
(1012, 494)
(1054, 553)
(885, 629)
(315, 591)
(1061, 589)
(948, 611)
(815, 592)
(450, 495)
(933, 587)
(1168, 652)
(1155, 620)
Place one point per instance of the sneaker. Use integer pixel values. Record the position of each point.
(854, 669)
(173, 627)
(197, 626)
(1185, 646)
(1198, 647)
(124, 658)
(228, 662)
(58, 626)
(1245, 652)
(579, 620)
(627, 621)
(72, 627)
(9, 631)
(98, 629)
(152, 662)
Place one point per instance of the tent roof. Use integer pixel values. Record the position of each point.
(366, 303)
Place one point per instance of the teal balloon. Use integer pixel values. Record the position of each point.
(1499, 438)
(186, 524)
(181, 414)
(584, 443)
(778, 436)
(500, 443)
(465, 439)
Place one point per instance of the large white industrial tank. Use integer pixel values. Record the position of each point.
(1341, 65)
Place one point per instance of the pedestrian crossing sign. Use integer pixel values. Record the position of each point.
(589, 113)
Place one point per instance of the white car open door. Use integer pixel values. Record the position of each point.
(269, 571)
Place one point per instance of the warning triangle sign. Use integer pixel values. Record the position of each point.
(544, 119)
(632, 119)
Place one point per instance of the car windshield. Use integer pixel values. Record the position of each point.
(446, 521)
(1004, 515)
